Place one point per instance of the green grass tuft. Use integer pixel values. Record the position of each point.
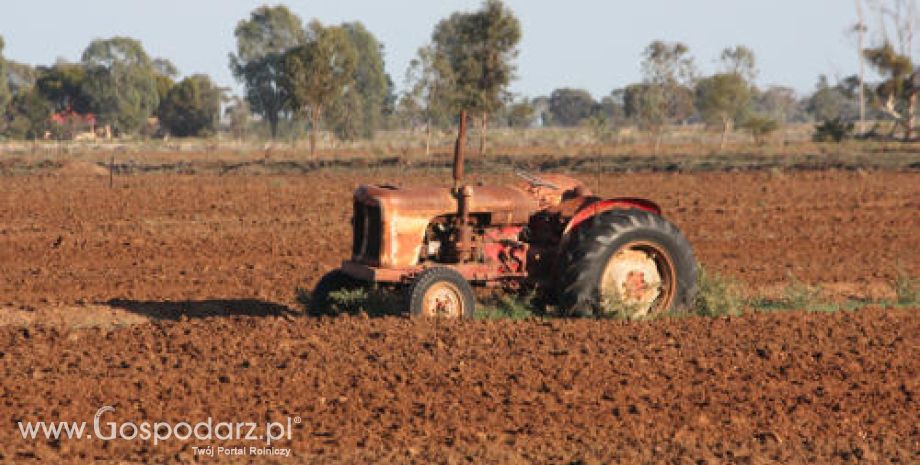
(508, 306)
(718, 295)
(907, 290)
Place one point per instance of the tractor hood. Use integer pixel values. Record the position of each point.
(390, 222)
(511, 204)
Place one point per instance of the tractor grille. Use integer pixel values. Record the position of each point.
(365, 246)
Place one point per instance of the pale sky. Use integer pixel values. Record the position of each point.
(594, 44)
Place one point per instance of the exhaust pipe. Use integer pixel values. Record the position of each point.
(458, 151)
(462, 192)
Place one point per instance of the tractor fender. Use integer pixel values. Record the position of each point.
(620, 203)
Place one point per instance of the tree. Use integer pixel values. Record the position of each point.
(779, 103)
(896, 96)
(165, 74)
(668, 72)
(723, 99)
(62, 85)
(570, 107)
(262, 41)
(761, 127)
(740, 60)
(317, 73)
(27, 115)
(120, 83)
(831, 102)
(613, 106)
(479, 48)
(5, 94)
(647, 105)
(521, 114)
(191, 107)
(427, 101)
(361, 109)
(20, 76)
(238, 113)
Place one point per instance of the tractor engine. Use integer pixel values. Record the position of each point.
(407, 228)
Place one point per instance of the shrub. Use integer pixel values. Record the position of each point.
(761, 127)
(833, 130)
(718, 295)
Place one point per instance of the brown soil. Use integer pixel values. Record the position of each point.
(783, 388)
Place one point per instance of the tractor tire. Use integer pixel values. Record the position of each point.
(441, 292)
(333, 281)
(627, 263)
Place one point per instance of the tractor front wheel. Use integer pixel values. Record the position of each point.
(321, 302)
(441, 293)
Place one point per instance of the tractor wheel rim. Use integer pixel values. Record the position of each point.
(638, 281)
(443, 300)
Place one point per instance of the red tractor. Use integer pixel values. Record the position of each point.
(585, 254)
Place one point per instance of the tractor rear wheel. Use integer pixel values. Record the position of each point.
(334, 281)
(628, 263)
(441, 293)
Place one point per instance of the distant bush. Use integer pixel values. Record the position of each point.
(761, 127)
(833, 130)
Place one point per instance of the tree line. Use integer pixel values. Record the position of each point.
(312, 76)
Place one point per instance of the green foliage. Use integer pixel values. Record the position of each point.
(740, 60)
(372, 302)
(62, 84)
(318, 73)
(718, 295)
(800, 296)
(478, 49)
(600, 127)
(120, 83)
(5, 93)
(27, 115)
(262, 40)
(761, 127)
(668, 72)
(647, 105)
(780, 104)
(521, 114)
(907, 290)
(361, 109)
(20, 76)
(896, 96)
(833, 130)
(570, 107)
(831, 102)
(237, 112)
(722, 99)
(191, 107)
(427, 100)
(507, 307)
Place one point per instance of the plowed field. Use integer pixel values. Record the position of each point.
(785, 389)
(156, 237)
(172, 299)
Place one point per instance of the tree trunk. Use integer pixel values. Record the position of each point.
(273, 125)
(658, 136)
(314, 126)
(911, 114)
(428, 137)
(726, 128)
(484, 121)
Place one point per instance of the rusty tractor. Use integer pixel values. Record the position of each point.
(581, 253)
